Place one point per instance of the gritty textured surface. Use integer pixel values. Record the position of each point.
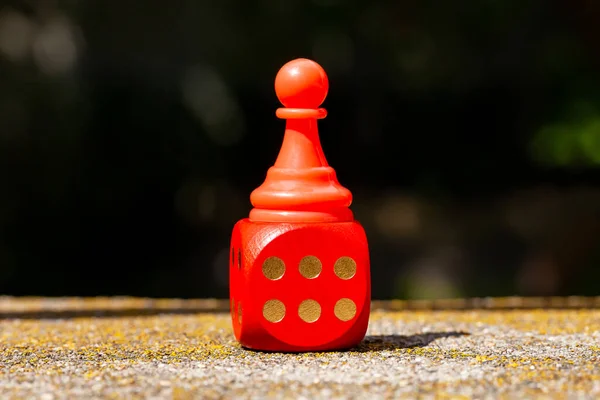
(134, 348)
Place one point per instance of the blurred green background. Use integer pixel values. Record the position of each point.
(132, 133)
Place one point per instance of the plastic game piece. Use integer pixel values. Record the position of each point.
(299, 268)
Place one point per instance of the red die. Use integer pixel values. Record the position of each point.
(300, 287)
(299, 270)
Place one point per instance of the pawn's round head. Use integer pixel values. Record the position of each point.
(301, 83)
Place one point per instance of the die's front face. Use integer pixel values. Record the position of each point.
(306, 286)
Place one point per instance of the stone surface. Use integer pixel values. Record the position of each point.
(137, 348)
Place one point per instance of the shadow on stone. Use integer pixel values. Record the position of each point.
(393, 342)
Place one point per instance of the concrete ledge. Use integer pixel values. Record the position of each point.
(140, 348)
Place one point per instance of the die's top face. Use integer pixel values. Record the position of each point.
(311, 284)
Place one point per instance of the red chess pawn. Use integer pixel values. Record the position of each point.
(299, 271)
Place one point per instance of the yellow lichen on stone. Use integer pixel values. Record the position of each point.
(180, 349)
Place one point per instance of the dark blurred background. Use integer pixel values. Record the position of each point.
(132, 133)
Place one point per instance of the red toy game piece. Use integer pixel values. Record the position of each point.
(299, 269)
